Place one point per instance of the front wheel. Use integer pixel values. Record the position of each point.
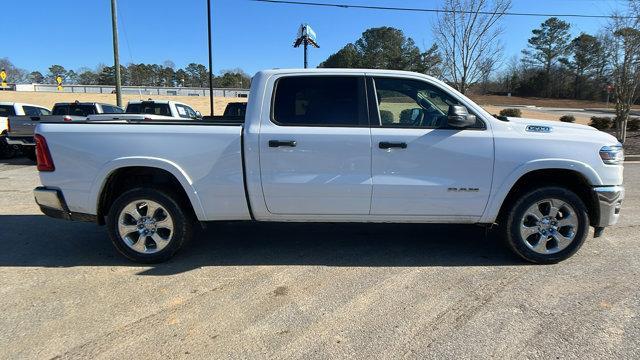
(547, 225)
(148, 225)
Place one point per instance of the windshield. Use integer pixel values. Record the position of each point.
(149, 108)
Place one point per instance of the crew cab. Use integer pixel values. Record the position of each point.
(22, 126)
(15, 109)
(153, 110)
(336, 145)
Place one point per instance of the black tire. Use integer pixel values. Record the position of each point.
(518, 244)
(182, 224)
(30, 153)
(6, 151)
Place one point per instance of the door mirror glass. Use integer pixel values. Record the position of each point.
(198, 115)
(458, 117)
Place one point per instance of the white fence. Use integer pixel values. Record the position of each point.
(136, 90)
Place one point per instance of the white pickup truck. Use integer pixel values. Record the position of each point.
(336, 146)
(20, 110)
(152, 110)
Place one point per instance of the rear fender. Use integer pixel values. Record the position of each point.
(183, 178)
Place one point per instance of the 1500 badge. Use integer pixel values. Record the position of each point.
(538, 128)
(453, 189)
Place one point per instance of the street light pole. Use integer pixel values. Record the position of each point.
(210, 57)
(116, 55)
(306, 45)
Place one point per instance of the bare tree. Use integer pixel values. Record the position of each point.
(625, 61)
(467, 32)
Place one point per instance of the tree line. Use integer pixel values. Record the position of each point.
(192, 75)
(467, 54)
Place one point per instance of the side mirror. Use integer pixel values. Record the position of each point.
(458, 117)
(198, 115)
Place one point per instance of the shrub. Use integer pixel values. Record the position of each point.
(633, 124)
(511, 112)
(601, 123)
(568, 118)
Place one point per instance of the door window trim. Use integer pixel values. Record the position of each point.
(362, 102)
(374, 111)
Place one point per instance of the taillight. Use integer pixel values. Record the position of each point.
(66, 118)
(43, 155)
(8, 125)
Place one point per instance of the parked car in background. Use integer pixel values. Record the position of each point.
(336, 145)
(21, 127)
(153, 110)
(13, 109)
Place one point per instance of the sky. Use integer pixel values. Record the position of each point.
(247, 35)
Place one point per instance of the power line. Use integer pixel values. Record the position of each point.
(371, 7)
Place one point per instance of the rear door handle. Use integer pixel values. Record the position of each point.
(279, 143)
(389, 145)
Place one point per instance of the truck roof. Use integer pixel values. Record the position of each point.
(341, 71)
(10, 103)
(82, 103)
(154, 101)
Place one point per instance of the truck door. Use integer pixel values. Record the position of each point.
(419, 165)
(315, 149)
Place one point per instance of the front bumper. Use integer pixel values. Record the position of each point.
(609, 203)
(21, 140)
(52, 204)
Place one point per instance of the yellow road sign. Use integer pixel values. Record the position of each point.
(3, 76)
(59, 81)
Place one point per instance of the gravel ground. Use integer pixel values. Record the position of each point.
(311, 291)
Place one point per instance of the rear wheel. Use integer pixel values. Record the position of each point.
(6, 151)
(148, 225)
(547, 225)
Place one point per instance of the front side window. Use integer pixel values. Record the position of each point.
(44, 112)
(185, 112)
(320, 101)
(110, 109)
(412, 103)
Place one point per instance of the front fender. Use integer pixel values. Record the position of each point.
(183, 178)
(502, 188)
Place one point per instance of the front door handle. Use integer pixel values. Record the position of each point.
(389, 145)
(279, 143)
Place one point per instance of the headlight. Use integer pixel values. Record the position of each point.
(612, 154)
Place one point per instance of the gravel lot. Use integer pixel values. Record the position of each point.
(311, 291)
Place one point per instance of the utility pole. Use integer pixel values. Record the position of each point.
(116, 55)
(210, 57)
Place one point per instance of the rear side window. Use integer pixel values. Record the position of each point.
(74, 110)
(6, 110)
(150, 108)
(320, 101)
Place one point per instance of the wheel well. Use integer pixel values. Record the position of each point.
(568, 179)
(128, 178)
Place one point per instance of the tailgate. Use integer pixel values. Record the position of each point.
(20, 126)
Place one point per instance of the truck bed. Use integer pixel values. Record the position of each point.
(206, 156)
